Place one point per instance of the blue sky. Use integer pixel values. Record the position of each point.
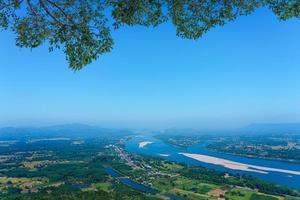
(245, 72)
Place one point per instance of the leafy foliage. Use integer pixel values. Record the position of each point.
(82, 29)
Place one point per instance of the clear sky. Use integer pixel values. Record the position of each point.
(245, 72)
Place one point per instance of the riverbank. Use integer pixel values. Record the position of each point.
(158, 147)
(236, 165)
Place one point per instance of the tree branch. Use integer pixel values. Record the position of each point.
(31, 8)
(61, 10)
(49, 13)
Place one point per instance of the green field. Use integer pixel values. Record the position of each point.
(244, 194)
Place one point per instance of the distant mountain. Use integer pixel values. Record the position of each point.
(280, 128)
(253, 129)
(194, 132)
(64, 130)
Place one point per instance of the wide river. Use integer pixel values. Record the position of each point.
(155, 147)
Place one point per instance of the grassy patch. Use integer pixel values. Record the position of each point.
(164, 184)
(239, 194)
(262, 197)
(194, 185)
(106, 186)
(173, 167)
(243, 194)
(188, 194)
(184, 184)
(8, 180)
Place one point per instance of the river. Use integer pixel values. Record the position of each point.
(137, 186)
(160, 149)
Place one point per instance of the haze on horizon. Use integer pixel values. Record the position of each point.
(245, 72)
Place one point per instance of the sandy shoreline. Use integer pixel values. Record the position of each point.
(143, 144)
(236, 165)
(163, 155)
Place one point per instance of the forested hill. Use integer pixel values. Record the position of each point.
(66, 130)
(280, 128)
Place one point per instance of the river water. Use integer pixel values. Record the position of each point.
(170, 152)
(126, 181)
